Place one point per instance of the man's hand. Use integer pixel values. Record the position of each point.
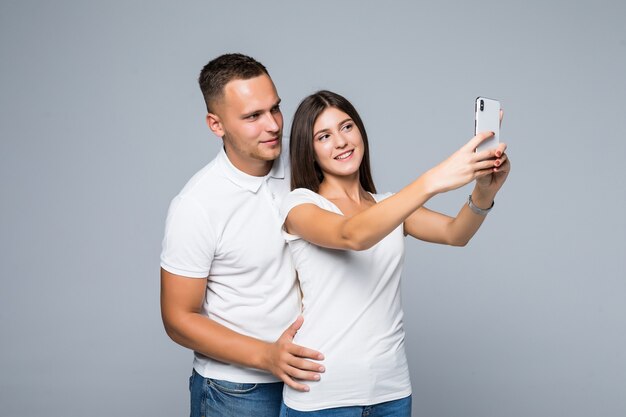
(287, 360)
(181, 305)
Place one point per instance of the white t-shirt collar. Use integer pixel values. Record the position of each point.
(246, 181)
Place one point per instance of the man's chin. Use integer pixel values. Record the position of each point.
(271, 154)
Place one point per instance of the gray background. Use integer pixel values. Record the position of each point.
(101, 124)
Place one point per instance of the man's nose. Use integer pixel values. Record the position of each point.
(273, 122)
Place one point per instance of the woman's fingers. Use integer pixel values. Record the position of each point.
(477, 140)
(504, 167)
(484, 165)
(483, 173)
(490, 153)
(500, 164)
(500, 149)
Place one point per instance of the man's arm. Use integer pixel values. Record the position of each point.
(181, 306)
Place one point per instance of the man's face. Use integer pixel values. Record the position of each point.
(249, 120)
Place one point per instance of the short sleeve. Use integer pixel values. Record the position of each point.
(189, 242)
(381, 197)
(295, 198)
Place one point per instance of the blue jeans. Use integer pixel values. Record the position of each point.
(395, 408)
(214, 397)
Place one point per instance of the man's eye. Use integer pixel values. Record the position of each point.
(252, 116)
(276, 109)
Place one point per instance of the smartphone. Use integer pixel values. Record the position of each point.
(487, 119)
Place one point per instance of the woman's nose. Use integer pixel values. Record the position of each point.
(340, 141)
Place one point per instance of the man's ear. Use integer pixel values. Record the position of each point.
(214, 123)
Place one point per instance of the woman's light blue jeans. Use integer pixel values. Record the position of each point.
(396, 408)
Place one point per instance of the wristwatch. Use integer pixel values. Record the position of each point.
(478, 210)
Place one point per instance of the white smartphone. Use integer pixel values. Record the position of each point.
(487, 119)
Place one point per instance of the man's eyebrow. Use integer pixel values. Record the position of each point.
(250, 113)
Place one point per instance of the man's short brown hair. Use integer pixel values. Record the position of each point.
(223, 69)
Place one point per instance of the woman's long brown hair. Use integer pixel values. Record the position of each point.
(305, 172)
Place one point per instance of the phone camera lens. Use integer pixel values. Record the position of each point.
(482, 105)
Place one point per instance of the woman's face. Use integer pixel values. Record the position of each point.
(337, 143)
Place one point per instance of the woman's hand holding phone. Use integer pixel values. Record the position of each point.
(483, 158)
(465, 165)
(490, 184)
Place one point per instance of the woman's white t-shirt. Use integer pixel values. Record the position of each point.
(352, 314)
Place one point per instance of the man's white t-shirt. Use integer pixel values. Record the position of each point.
(225, 225)
(353, 315)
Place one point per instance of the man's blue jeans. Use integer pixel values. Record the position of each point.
(213, 397)
(396, 408)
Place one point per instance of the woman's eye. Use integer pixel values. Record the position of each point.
(322, 137)
(347, 127)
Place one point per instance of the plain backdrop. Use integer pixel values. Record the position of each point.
(102, 123)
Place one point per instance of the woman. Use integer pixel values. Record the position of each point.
(348, 247)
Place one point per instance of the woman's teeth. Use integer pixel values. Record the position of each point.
(344, 155)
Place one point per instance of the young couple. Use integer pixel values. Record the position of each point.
(329, 340)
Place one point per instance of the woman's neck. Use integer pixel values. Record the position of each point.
(333, 188)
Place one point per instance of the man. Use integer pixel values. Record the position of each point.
(228, 288)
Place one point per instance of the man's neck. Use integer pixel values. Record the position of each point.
(250, 166)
